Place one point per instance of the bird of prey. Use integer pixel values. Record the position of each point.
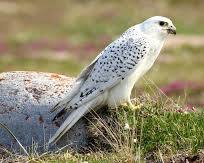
(109, 79)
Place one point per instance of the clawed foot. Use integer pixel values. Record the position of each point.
(137, 107)
(131, 106)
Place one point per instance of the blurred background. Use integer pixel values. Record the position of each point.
(65, 35)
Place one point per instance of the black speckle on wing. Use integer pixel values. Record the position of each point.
(115, 62)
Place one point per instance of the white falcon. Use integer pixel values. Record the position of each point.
(109, 79)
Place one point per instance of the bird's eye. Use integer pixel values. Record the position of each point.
(162, 23)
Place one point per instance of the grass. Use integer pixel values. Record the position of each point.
(172, 132)
(159, 130)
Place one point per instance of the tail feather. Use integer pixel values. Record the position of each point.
(59, 114)
(74, 117)
(60, 105)
(63, 104)
(69, 122)
(76, 87)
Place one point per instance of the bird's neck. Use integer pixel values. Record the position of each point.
(152, 33)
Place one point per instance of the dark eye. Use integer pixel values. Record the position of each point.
(162, 23)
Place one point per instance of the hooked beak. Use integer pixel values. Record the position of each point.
(172, 30)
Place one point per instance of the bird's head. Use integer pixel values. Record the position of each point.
(158, 26)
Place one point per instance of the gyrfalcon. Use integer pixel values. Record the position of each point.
(110, 78)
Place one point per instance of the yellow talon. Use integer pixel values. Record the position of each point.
(135, 107)
(131, 106)
(125, 105)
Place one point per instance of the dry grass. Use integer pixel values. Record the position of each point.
(160, 130)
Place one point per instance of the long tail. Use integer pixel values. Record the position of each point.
(63, 104)
(74, 117)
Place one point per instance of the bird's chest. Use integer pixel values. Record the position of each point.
(148, 60)
(144, 65)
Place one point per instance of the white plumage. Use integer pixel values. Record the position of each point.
(109, 79)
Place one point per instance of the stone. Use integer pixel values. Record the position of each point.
(26, 99)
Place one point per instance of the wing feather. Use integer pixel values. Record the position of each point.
(115, 63)
(76, 87)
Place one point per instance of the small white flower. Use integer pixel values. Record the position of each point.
(135, 140)
(185, 112)
(126, 127)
